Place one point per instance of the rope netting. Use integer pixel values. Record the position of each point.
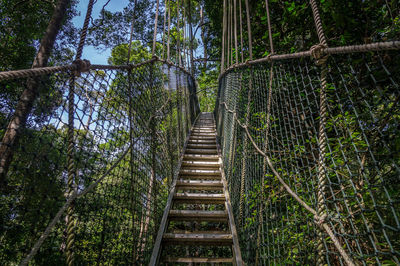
(269, 135)
(98, 153)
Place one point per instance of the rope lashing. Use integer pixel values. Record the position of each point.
(81, 66)
(320, 220)
(318, 53)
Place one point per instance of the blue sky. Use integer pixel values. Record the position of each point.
(89, 52)
(101, 56)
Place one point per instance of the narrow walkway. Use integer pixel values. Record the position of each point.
(200, 223)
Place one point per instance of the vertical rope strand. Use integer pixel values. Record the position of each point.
(322, 141)
(178, 42)
(231, 30)
(235, 31)
(249, 30)
(223, 37)
(168, 32)
(70, 219)
(163, 35)
(241, 31)
(71, 174)
(131, 31)
(153, 51)
(84, 30)
(271, 44)
(228, 34)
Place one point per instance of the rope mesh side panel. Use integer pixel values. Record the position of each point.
(360, 198)
(126, 132)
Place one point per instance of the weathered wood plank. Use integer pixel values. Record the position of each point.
(199, 198)
(199, 260)
(196, 215)
(198, 239)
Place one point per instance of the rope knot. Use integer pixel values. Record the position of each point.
(317, 52)
(82, 66)
(155, 58)
(319, 220)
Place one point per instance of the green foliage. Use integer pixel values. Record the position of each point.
(207, 90)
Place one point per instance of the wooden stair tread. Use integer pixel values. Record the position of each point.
(200, 184)
(198, 239)
(200, 164)
(199, 260)
(201, 157)
(201, 146)
(199, 198)
(194, 215)
(199, 172)
(201, 151)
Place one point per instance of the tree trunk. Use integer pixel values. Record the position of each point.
(30, 94)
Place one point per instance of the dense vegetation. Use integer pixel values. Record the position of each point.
(37, 177)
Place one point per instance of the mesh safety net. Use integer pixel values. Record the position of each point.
(360, 195)
(129, 125)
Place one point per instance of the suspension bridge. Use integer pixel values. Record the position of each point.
(298, 164)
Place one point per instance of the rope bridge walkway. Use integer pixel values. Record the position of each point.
(200, 196)
(298, 164)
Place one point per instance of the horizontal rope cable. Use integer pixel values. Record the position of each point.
(379, 46)
(35, 72)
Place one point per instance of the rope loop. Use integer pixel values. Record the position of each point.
(317, 52)
(81, 66)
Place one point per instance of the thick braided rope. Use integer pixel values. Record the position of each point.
(378, 46)
(34, 72)
(244, 153)
(71, 175)
(84, 30)
(82, 66)
(321, 60)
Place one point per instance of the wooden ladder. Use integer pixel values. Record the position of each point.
(198, 198)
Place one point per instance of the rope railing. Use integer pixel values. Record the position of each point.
(124, 148)
(359, 203)
(304, 148)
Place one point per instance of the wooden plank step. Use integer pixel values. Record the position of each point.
(203, 134)
(201, 137)
(177, 231)
(198, 239)
(199, 184)
(201, 157)
(201, 146)
(208, 164)
(202, 141)
(203, 130)
(193, 215)
(187, 172)
(201, 151)
(199, 198)
(198, 260)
